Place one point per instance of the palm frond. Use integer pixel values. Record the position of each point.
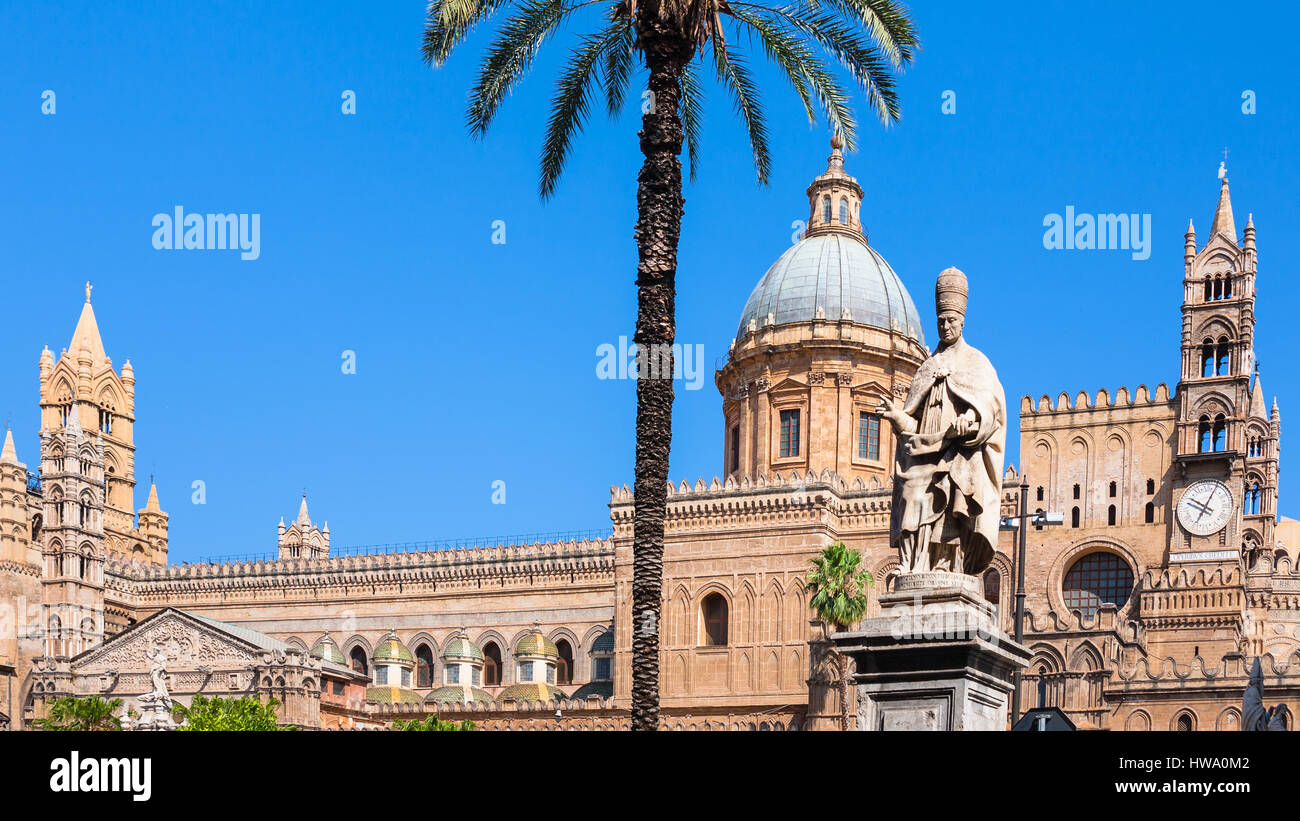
(447, 22)
(797, 59)
(888, 23)
(509, 56)
(572, 100)
(863, 59)
(692, 107)
(734, 74)
(618, 70)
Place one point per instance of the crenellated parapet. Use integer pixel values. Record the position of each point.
(1101, 401)
(430, 570)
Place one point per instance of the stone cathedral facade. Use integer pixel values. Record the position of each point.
(1170, 575)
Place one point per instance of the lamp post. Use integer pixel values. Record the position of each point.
(1039, 521)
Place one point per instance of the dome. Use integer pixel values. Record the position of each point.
(535, 691)
(326, 649)
(460, 647)
(604, 689)
(392, 695)
(840, 275)
(535, 644)
(455, 694)
(604, 644)
(392, 649)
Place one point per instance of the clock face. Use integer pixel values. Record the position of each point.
(1205, 507)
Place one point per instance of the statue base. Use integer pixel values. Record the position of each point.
(934, 659)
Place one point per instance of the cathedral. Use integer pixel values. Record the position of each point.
(1170, 574)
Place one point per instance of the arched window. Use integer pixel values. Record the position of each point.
(1227, 287)
(1042, 687)
(1074, 517)
(1151, 512)
(1151, 486)
(1113, 489)
(713, 614)
(1252, 500)
(1096, 579)
(423, 666)
(1218, 287)
(1110, 515)
(1076, 491)
(992, 585)
(358, 659)
(1184, 723)
(564, 667)
(491, 665)
(1203, 441)
(1222, 357)
(844, 210)
(1219, 433)
(1209, 288)
(826, 209)
(1040, 494)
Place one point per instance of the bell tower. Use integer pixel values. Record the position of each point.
(1225, 446)
(84, 376)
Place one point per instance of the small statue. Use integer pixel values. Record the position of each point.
(1254, 718)
(951, 432)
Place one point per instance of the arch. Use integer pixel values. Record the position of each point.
(296, 643)
(494, 666)
(1095, 579)
(844, 210)
(715, 621)
(1086, 659)
(1183, 721)
(1228, 720)
(564, 672)
(1139, 720)
(1066, 558)
(425, 664)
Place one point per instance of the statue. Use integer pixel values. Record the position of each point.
(1254, 718)
(951, 431)
(157, 705)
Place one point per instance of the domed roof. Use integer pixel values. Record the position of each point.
(604, 689)
(843, 277)
(535, 644)
(604, 643)
(532, 692)
(392, 695)
(392, 649)
(326, 649)
(460, 647)
(456, 694)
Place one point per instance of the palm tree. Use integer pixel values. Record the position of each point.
(839, 598)
(871, 39)
(90, 714)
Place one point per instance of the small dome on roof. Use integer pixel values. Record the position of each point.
(531, 692)
(604, 644)
(456, 694)
(393, 695)
(392, 649)
(460, 648)
(604, 689)
(535, 644)
(326, 649)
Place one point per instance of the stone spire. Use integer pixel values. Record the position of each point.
(1223, 223)
(73, 423)
(1257, 408)
(87, 333)
(303, 518)
(152, 505)
(8, 455)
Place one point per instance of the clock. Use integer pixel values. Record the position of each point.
(1205, 507)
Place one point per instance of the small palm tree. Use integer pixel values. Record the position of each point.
(872, 40)
(90, 714)
(839, 598)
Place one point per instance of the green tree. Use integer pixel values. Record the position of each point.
(871, 40)
(91, 713)
(230, 714)
(839, 598)
(433, 724)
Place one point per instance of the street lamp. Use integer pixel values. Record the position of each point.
(1039, 520)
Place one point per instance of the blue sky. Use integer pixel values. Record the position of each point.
(476, 361)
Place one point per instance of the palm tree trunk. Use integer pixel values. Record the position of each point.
(659, 219)
(846, 716)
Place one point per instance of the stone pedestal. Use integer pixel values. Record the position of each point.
(934, 659)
